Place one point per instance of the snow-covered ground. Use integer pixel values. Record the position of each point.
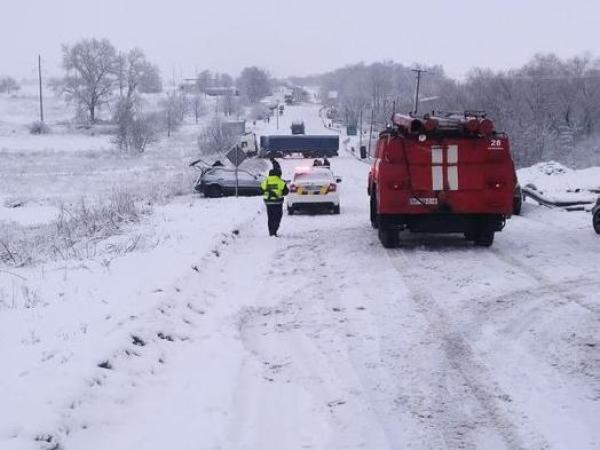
(219, 337)
(41, 173)
(556, 181)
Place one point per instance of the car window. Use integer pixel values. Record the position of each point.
(315, 175)
(243, 175)
(216, 172)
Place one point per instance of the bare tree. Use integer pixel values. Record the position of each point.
(204, 80)
(135, 130)
(197, 105)
(224, 80)
(215, 138)
(91, 67)
(173, 110)
(8, 85)
(254, 84)
(229, 104)
(150, 81)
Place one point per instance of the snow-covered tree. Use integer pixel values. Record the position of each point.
(254, 84)
(92, 67)
(8, 85)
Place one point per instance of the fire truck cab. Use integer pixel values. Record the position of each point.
(449, 173)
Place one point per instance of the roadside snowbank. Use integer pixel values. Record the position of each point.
(554, 179)
(63, 325)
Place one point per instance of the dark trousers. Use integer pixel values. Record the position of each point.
(274, 214)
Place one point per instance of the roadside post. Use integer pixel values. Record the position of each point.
(237, 156)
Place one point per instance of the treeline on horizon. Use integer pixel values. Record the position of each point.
(549, 107)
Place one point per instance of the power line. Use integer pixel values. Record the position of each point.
(419, 72)
(41, 96)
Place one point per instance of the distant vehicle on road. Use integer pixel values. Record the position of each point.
(219, 181)
(248, 144)
(297, 127)
(314, 188)
(311, 146)
(596, 216)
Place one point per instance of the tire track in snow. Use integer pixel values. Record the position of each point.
(289, 346)
(563, 289)
(496, 414)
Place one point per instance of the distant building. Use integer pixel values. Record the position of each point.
(221, 91)
(190, 86)
(235, 128)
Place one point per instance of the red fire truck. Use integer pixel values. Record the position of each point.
(444, 173)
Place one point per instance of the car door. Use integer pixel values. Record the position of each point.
(249, 184)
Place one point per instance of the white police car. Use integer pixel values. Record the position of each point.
(313, 189)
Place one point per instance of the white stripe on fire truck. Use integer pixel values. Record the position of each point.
(437, 174)
(437, 178)
(453, 178)
(452, 154)
(437, 155)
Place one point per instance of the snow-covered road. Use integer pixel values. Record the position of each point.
(318, 339)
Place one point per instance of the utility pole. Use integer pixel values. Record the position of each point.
(419, 72)
(361, 130)
(120, 75)
(371, 132)
(41, 96)
(277, 114)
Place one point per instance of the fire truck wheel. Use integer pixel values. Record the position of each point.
(469, 235)
(484, 238)
(517, 205)
(373, 211)
(596, 221)
(389, 237)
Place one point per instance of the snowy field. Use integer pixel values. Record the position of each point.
(40, 174)
(219, 337)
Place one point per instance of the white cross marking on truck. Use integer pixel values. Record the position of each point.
(437, 167)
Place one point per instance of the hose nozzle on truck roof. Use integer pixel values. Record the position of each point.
(454, 124)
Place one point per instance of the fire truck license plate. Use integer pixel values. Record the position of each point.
(423, 201)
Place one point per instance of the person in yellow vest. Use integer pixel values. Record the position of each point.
(274, 189)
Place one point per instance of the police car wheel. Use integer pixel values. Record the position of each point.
(596, 221)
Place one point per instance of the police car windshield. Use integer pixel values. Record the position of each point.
(313, 174)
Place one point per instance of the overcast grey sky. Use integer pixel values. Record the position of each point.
(301, 36)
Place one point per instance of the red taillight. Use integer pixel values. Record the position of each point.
(332, 188)
(293, 188)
